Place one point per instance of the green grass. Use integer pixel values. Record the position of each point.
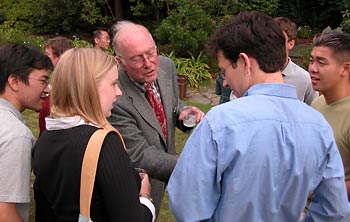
(165, 215)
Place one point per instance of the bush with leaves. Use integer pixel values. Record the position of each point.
(194, 68)
(52, 16)
(187, 28)
(345, 24)
(269, 7)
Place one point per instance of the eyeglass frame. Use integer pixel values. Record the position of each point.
(147, 55)
(45, 82)
(222, 71)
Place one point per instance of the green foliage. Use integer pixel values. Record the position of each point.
(52, 16)
(12, 35)
(187, 28)
(194, 68)
(267, 6)
(304, 32)
(304, 58)
(80, 43)
(345, 24)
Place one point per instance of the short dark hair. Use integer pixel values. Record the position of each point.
(338, 42)
(59, 45)
(255, 34)
(288, 26)
(97, 34)
(20, 60)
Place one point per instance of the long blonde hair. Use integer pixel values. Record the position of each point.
(74, 85)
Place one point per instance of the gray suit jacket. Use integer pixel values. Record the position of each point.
(134, 118)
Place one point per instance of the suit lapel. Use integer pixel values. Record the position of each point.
(140, 103)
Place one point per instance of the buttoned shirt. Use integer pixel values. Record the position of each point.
(257, 158)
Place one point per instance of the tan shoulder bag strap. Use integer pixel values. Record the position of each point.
(88, 169)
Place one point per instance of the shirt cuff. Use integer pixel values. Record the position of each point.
(150, 206)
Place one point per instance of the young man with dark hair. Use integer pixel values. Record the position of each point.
(292, 73)
(23, 85)
(100, 39)
(257, 158)
(330, 74)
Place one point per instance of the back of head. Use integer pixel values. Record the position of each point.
(122, 27)
(20, 60)
(59, 45)
(74, 89)
(255, 34)
(337, 41)
(287, 26)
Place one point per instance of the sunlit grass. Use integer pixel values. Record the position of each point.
(165, 215)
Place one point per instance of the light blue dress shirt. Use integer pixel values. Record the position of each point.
(258, 158)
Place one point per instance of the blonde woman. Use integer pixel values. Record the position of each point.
(84, 87)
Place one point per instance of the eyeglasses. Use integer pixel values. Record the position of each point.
(222, 71)
(44, 82)
(140, 59)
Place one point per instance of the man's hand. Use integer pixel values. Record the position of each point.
(191, 110)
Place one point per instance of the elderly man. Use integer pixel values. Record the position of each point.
(149, 109)
(257, 158)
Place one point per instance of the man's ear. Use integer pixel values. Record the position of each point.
(290, 44)
(96, 40)
(120, 62)
(14, 82)
(246, 62)
(346, 70)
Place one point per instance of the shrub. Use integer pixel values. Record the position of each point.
(304, 32)
(187, 28)
(345, 24)
(194, 68)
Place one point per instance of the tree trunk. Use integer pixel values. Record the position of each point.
(118, 10)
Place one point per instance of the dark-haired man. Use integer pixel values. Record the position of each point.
(100, 39)
(330, 74)
(257, 158)
(23, 85)
(292, 73)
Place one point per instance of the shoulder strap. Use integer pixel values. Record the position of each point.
(88, 169)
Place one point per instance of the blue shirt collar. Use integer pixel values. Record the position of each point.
(272, 89)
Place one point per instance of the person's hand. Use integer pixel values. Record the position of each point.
(192, 110)
(145, 190)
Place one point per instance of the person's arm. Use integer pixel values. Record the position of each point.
(155, 160)
(44, 112)
(194, 186)
(15, 176)
(348, 188)
(115, 179)
(8, 213)
(330, 201)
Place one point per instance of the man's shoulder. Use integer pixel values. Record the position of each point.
(296, 69)
(318, 102)
(165, 59)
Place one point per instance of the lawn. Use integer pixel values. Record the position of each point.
(165, 215)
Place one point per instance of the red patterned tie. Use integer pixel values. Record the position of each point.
(157, 108)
